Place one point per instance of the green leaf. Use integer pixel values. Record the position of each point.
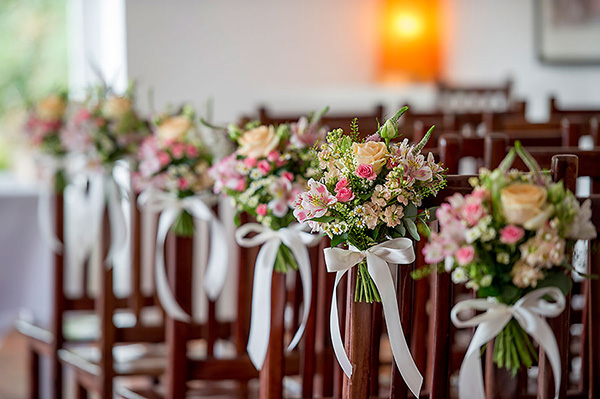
(423, 228)
(507, 161)
(401, 230)
(557, 279)
(410, 211)
(323, 219)
(412, 228)
(337, 240)
(423, 141)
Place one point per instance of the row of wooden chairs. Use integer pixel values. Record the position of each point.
(319, 374)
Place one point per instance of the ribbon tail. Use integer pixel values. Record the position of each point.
(167, 299)
(470, 379)
(304, 270)
(260, 322)
(539, 329)
(118, 228)
(45, 221)
(380, 272)
(334, 329)
(218, 261)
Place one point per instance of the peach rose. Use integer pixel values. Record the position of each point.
(258, 142)
(174, 128)
(116, 108)
(52, 108)
(370, 153)
(523, 202)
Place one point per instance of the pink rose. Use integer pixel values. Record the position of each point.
(472, 212)
(344, 194)
(289, 176)
(343, 183)
(511, 234)
(177, 150)
(191, 151)
(465, 255)
(365, 171)
(261, 209)
(273, 156)
(264, 167)
(250, 162)
(163, 158)
(183, 183)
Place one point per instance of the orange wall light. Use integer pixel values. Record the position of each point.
(409, 41)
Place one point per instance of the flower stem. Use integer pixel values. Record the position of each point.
(184, 225)
(366, 291)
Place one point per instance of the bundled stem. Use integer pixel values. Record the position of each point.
(513, 348)
(285, 260)
(184, 225)
(366, 291)
(60, 181)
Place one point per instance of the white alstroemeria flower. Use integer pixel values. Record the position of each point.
(582, 227)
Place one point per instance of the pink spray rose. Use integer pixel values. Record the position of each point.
(365, 171)
(264, 167)
(344, 195)
(261, 209)
(250, 162)
(511, 234)
(273, 156)
(465, 255)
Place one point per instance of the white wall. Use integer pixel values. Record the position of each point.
(488, 40)
(300, 55)
(241, 52)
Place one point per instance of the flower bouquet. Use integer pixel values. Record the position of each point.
(510, 241)
(269, 169)
(172, 170)
(110, 126)
(366, 193)
(175, 160)
(45, 127)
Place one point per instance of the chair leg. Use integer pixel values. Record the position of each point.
(34, 374)
(81, 392)
(56, 377)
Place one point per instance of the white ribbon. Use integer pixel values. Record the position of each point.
(396, 251)
(296, 239)
(170, 207)
(49, 167)
(528, 312)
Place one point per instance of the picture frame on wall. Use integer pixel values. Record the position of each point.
(568, 31)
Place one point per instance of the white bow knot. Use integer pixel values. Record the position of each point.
(528, 312)
(297, 240)
(170, 207)
(396, 251)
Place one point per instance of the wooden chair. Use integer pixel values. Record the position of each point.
(47, 341)
(439, 368)
(470, 98)
(94, 365)
(589, 118)
(367, 120)
(194, 377)
(587, 161)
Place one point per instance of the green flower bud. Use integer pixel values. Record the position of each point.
(234, 131)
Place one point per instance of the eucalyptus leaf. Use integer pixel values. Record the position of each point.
(337, 240)
(412, 228)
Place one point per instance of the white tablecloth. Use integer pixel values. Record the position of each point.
(25, 260)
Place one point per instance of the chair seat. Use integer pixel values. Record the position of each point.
(84, 326)
(203, 389)
(137, 359)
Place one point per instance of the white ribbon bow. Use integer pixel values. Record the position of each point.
(296, 240)
(528, 312)
(216, 273)
(396, 251)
